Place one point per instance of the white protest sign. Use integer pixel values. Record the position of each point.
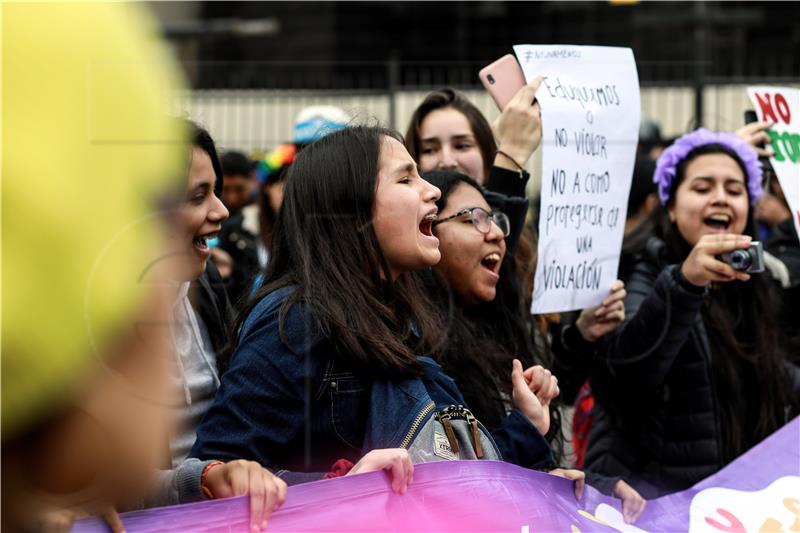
(781, 105)
(590, 127)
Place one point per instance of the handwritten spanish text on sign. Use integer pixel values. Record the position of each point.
(590, 127)
(781, 105)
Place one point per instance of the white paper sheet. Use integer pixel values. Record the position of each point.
(590, 128)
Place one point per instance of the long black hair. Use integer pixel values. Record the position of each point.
(202, 139)
(747, 344)
(203, 301)
(481, 341)
(267, 215)
(325, 246)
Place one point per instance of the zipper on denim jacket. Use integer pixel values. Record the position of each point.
(416, 423)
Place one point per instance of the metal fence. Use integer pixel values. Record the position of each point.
(261, 119)
(386, 93)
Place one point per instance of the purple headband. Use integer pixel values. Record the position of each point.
(671, 157)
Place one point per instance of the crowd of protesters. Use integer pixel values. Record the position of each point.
(195, 325)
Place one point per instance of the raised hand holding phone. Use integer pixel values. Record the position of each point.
(519, 128)
(502, 80)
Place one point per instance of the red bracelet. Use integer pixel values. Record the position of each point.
(206, 470)
(338, 469)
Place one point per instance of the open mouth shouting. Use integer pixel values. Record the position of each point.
(718, 222)
(426, 226)
(491, 263)
(200, 242)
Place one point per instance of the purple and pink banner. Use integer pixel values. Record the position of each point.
(759, 492)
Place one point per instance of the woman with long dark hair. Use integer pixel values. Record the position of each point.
(696, 375)
(198, 328)
(483, 315)
(448, 134)
(327, 364)
(478, 297)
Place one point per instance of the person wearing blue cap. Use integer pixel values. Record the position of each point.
(315, 122)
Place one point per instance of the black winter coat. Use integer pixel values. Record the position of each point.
(242, 246)
(657, 421)
(210, 300)
(505, 191)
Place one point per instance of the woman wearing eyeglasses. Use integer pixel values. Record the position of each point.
(447, 133)
(483, 317)
(480, 298)
(484, 328)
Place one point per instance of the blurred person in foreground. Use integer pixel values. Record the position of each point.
(89, 362)
(85, 357)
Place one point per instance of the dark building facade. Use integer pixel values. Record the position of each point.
(374, 45)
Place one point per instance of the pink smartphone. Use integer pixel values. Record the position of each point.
(502, 79)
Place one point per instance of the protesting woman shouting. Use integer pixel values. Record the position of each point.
(696, 375)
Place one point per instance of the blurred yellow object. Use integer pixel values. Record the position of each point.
(88, 152)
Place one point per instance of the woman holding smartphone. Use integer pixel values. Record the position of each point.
(447, 132)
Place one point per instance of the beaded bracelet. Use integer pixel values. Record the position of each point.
(523, 174)
(206, 490)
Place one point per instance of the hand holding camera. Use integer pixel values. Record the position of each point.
(722, 257)
(748, 260)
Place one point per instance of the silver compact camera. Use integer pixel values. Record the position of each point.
(746, 260)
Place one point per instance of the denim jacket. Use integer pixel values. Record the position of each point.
(296, 408)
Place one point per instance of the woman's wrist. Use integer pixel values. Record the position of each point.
(685, 283)
(204, 479)
(505, 161)
(583, 330)
(539, 420)
(512, 157)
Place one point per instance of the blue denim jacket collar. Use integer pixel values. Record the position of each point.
(411, 399)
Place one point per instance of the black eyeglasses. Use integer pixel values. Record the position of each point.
(482, 219)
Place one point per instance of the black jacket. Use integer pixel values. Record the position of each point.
(784, 245)
(656, 420)
(210, 300)
(505, 191)
(242, 245)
